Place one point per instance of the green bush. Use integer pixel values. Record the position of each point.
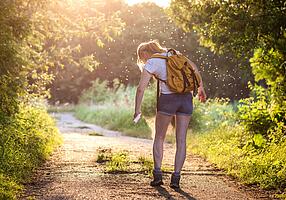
(8, 188)
(229, 148)
(24, 143)
(97, 93)
(259, 114)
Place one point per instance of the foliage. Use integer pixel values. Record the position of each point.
(35, 38)
(92, 25)
(118, 56)
(260, 116)
(98, 92)
(60, 108)
(105, 116)
(229, 149)
(207, 116)
(115, 162)
(249, 30)
(146, 164)
(103, 155)
(233, 26)
(121, 162)
(25, 143)
(12, 72)
(100, 104)
(8, 188)
(270, 65)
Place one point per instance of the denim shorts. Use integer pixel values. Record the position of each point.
(176, 104)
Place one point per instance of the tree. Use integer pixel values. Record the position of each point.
(242, 28)
(117, 58)
(248, 29)
(89, 25)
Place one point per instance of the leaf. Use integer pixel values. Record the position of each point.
(259, 140)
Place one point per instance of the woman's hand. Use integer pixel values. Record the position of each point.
(202, 94)
(136, 117)
(136, 114)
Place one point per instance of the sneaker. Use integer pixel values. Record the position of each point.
(158, 176)
(175, 181)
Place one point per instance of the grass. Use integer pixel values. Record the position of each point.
(114, 118)
(227, 148)
(9, 188)
(118, 162)
(146, 164)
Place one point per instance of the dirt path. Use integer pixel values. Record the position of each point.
(73, 173)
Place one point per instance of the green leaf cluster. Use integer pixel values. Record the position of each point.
(250, 30)
(24, 143)
(261, 115)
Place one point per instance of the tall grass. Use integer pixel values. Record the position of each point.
(118, 118)
(112, 108)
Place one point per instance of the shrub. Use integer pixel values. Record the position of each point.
(259, 114)
(24, 143)
(8, 188)
(229, 148)
(97, 93)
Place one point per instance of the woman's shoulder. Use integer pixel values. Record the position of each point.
(158, 56)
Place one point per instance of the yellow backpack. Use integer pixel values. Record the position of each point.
(181, 77)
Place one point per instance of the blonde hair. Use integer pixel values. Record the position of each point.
(151, 47)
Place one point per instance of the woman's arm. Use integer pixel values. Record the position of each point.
(201, 90)
(145, 78)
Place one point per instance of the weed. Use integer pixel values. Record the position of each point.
(118, 162)
(146, 164)
(104, 155)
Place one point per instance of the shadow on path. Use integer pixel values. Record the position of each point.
(168, 196)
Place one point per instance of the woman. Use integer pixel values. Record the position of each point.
(170, 104)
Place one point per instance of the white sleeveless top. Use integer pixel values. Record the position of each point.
(157, 67)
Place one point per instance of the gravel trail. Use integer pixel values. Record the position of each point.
(72, 172)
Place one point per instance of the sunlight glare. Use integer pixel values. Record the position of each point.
(162, 3)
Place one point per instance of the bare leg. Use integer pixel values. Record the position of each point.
(182, 122)
(161, 125)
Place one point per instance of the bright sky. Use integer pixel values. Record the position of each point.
(162, 3)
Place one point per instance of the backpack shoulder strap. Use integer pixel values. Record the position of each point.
(173, 51)
(159, 56)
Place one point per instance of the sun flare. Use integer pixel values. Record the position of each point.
(162, 3)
